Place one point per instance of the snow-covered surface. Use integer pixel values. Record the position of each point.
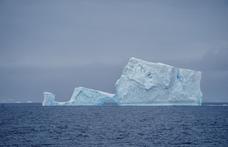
(142, 83)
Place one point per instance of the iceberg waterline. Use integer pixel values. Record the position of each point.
(142, 83)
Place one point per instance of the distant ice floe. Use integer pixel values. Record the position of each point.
(9, 101)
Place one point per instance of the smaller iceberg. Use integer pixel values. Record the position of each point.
(81, 97)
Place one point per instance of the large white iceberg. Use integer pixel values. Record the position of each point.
(142, 83)
(146, 83)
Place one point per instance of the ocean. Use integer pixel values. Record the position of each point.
(113, 126)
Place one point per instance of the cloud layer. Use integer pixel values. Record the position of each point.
(57, 46)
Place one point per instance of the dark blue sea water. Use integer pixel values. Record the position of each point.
(35, 125)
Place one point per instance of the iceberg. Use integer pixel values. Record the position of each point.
(146, 83)
(81, 97)
(142, 83)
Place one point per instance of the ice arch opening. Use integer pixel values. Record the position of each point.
(110, 103)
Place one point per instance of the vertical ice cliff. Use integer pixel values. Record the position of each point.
(142, 83)
(49, 99)
(147, 83)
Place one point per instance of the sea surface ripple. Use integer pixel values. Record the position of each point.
(35, 125)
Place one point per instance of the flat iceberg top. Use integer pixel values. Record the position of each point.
(142, 83)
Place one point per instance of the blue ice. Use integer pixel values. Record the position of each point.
(142, 83)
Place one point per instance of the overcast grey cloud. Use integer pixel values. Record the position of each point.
(58, 45)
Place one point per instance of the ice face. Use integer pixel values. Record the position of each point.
(146, 83)
(142, 83)
(49, 99)
(85, 96)
(81, 97)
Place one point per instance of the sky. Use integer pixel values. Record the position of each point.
(58, 45)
